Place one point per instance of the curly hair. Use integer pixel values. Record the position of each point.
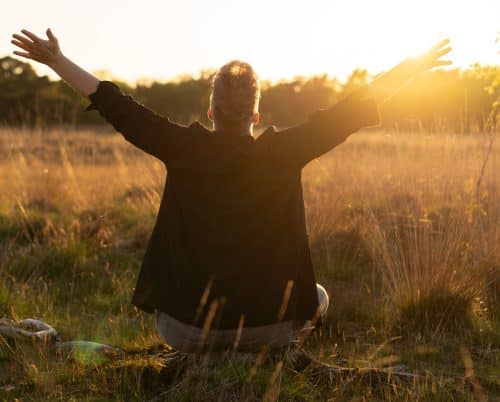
(235, 93)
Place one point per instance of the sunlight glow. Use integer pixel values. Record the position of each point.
(281, 39)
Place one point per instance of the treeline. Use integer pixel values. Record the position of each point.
(440, 101)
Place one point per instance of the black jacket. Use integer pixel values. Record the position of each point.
(230, 245)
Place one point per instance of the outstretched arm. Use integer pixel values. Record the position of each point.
(329, 127)
(49, 53)
(142, 127)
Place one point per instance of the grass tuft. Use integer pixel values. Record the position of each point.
(402, 238)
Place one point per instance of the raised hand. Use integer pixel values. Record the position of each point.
(47, 51)
(431, 58)
(43, 51)
(387, 84)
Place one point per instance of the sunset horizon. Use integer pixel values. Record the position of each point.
(268, 200)
(280, 40)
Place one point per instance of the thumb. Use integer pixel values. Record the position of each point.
(51, 36)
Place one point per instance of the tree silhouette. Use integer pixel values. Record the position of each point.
(442, 100)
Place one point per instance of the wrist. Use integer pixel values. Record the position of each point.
(58, 61)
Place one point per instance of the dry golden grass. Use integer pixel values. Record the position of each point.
(402, 236)
(413, 199)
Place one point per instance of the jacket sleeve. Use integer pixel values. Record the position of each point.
(142, 127)
(325, 129)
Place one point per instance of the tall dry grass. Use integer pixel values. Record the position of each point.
(432, 234)
(405, 206)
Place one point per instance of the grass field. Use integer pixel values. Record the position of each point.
(405, 235)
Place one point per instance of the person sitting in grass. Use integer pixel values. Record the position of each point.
(228, 264)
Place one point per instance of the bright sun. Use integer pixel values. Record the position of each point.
(376, 35)
(280, 38)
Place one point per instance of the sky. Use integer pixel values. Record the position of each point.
(163, 39)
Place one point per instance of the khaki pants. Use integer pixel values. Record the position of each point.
(188, 338)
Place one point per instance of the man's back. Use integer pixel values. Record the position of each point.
(230, 242)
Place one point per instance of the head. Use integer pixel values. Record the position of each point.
(234, 102)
